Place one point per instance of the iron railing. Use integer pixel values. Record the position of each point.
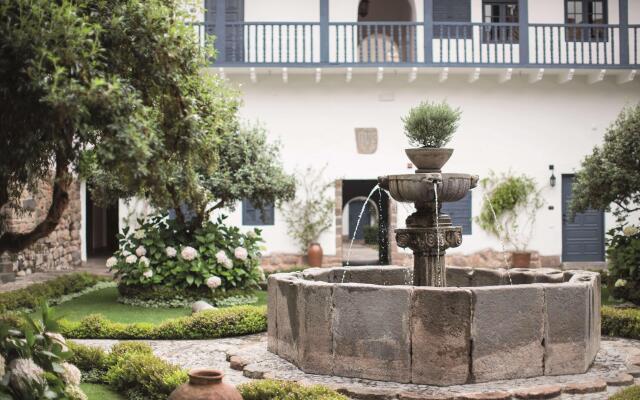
(298, 44)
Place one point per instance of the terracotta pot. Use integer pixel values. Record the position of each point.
(428, 159)
(520, 259)
(314, 255)
(206, 384)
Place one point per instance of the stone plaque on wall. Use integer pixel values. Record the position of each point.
(367, 140)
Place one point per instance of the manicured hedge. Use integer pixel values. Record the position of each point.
(621, 322)
(209, 324)
(30, 297)
(132, 369)
(282, 390)
(630, 393)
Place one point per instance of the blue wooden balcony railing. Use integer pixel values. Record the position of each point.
(299, 44)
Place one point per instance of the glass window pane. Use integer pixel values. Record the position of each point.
(571, 7)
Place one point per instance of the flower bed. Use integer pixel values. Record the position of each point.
(164, 255)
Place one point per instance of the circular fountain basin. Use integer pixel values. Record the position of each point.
(418, 187)
(489, 324)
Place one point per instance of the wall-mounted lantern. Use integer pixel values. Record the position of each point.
(552, 178)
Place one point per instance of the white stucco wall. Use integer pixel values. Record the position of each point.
(516, 126)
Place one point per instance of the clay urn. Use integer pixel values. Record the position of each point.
(206, 384)
(520, 259)
(314, 255)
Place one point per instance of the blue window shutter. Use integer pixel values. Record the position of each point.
(452, 10)
(460, 213)
(256, 216)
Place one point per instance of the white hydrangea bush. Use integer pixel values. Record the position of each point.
(163, 252)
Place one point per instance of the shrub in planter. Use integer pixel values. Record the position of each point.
(163, 252)
(431, 124)
(623, 255)
(33, 361)
(510, 208)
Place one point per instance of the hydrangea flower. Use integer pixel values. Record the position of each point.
(228, 264)
(148, 273)
(630, 230)
(141, 251)
(126, 253)
(214, 282)
(221, 257)
(131, 259)
(71, 375)
(241, 253)
(111, 262)
(75, 393)
(25, 374)
(261, 274)
(145, 260)
(170, 252)
(252, 234)
(139, 234)
(620, 283)
(189, 253)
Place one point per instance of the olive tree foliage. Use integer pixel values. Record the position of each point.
(250, 168)
(110, 89)
(610, 176)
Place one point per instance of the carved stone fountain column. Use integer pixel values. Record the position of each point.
(429, 244)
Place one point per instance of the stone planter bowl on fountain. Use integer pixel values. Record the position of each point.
(430, 324)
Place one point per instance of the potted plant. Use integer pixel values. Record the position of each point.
(310, 213)
(509, 212)
(429, 127)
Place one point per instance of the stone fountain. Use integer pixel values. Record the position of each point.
(452, 325)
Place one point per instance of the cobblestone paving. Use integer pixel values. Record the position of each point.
(610, 361)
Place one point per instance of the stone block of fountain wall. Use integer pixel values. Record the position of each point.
(371, 332)
(440, 320)
(335, 321)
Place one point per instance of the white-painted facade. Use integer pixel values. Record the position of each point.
(514, 119)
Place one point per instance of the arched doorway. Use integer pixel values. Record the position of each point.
(386, 43)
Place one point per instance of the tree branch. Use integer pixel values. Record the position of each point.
(15, 242)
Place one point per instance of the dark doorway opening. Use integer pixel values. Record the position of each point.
(102, 228)
(371, 244)
(582, 235)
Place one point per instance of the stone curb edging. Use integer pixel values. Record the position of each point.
(549, 391)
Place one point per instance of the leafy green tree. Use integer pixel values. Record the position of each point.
(611, 174)
(250, 168)
(111, 89)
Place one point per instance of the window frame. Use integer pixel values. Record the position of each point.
(497, 34)
(259, 220)
(595, 35)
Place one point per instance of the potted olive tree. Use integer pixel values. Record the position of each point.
(509, 212)
(310, 213)
(429, 127)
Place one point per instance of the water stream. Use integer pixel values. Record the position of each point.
(366, 204)
(438, 269)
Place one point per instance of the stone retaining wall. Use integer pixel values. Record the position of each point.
(366, 322)
(58, 251)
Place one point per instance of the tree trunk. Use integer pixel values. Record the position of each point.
(15, 242)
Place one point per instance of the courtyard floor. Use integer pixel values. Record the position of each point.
(250, 359)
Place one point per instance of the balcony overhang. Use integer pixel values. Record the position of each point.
(470, 74)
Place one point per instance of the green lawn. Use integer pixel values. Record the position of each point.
(99, 392)
(105, 302)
